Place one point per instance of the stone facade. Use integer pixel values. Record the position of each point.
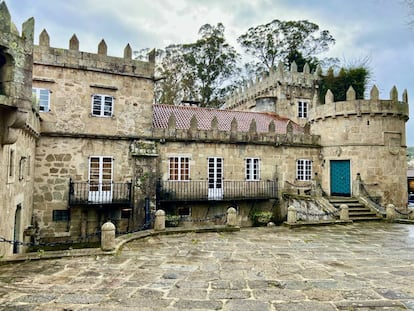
(94, 147)
(19, 131)
(98, 105)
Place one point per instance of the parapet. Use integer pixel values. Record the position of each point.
(267, 83)
(73, 58)
(358, 107)
(194, 124)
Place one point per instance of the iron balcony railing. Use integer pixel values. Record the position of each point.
(202, 190)
(108, 194)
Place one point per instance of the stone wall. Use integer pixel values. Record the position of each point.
(73, 77)
(19, 130)
(276, 163)
(60, 159)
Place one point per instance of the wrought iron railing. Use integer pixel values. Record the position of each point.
(85, 193)
(202, 190)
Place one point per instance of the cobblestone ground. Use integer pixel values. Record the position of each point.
(363, 266)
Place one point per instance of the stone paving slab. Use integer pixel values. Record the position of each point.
(359, 267)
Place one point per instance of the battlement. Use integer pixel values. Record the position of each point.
(73, 58)
(267, 85)
(236, 137)
(177, 123)
(9, 31)
(359, 107)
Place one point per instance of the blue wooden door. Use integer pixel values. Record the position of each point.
(340, 178)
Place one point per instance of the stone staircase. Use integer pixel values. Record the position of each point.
(357, 211)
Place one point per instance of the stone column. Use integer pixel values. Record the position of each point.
(231, 217)
(108, 236)
(292, 215)
(390, 210)
(344, 214)
(159, 224)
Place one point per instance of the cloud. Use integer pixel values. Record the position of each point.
(376, 29)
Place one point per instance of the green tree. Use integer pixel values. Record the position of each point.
(211, 61)
(285, 41)
(200, 72)
(357, 77)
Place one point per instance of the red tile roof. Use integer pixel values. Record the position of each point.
(184, 114)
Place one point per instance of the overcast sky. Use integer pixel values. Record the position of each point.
(374, 29)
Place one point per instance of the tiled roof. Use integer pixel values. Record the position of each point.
(184, 114)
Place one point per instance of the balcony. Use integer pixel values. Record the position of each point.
(202, 190)
(100, 194)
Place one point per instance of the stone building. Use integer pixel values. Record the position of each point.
(82, 142)
(93, 107)
(19, 131)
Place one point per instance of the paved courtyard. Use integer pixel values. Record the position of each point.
(362, 266)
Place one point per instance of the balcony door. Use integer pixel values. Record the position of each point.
(100, 179)
(215, 178)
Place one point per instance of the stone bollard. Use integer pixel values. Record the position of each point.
(231, 217)
(108, 236)
(390, 210)
(410, 213)
(344, 213)
(292, 215)
(159, 224)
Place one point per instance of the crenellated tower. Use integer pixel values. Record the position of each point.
(278, 91)
(368, 137)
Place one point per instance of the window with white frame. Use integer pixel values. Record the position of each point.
(179, 168)
(303, 169)
(42, 97)
(252, 169)
(102, 105)
(302, 109)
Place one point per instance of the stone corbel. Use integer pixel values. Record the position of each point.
(14, 121)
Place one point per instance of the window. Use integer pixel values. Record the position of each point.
(252, 169)
(22, 166)
(60, 215)
(102, 105)
(303, 169)
(42, 97)
(29, 166)
(184, 211)
(100, 179)
(11, 163)
(302, 109)
(179, 168)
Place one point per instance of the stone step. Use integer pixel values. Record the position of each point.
(357, 211)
